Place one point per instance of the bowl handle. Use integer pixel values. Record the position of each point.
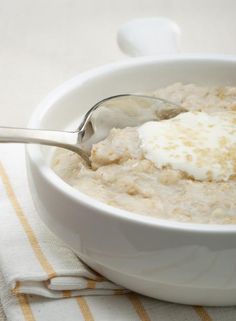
(149, 36)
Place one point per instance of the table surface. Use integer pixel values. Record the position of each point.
(43, 43)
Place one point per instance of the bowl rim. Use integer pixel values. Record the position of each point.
(34, 152)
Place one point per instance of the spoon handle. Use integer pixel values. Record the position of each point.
(62, 139)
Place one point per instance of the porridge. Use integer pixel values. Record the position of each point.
(181, 169)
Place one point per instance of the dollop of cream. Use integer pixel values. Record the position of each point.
(201, 145)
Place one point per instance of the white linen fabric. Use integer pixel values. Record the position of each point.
(42, 279)
(2, 314)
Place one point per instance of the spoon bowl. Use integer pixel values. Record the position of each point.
(113, 112)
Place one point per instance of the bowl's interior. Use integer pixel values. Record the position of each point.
(73, 99)
(67, 104)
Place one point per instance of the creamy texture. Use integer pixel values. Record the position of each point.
(201, 145)
(124, 176)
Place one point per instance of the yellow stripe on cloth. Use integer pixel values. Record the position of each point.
(84, 308)
(16, 288)
(119, 291)
(138, 307)
(66, 294)
(91, 284)
(25, 307)
(99, 278)
(202, 313)
(25, 224)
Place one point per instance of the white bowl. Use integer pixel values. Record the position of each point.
(178, 262)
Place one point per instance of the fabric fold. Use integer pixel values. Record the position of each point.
(41, 279)
(32, 259)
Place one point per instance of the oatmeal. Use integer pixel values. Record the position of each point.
(182, 169)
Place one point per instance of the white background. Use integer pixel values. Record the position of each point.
(45, 42)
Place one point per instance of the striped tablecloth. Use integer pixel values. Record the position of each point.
(2, 314)
(41, 279)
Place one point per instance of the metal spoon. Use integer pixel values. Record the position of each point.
(113, 112)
